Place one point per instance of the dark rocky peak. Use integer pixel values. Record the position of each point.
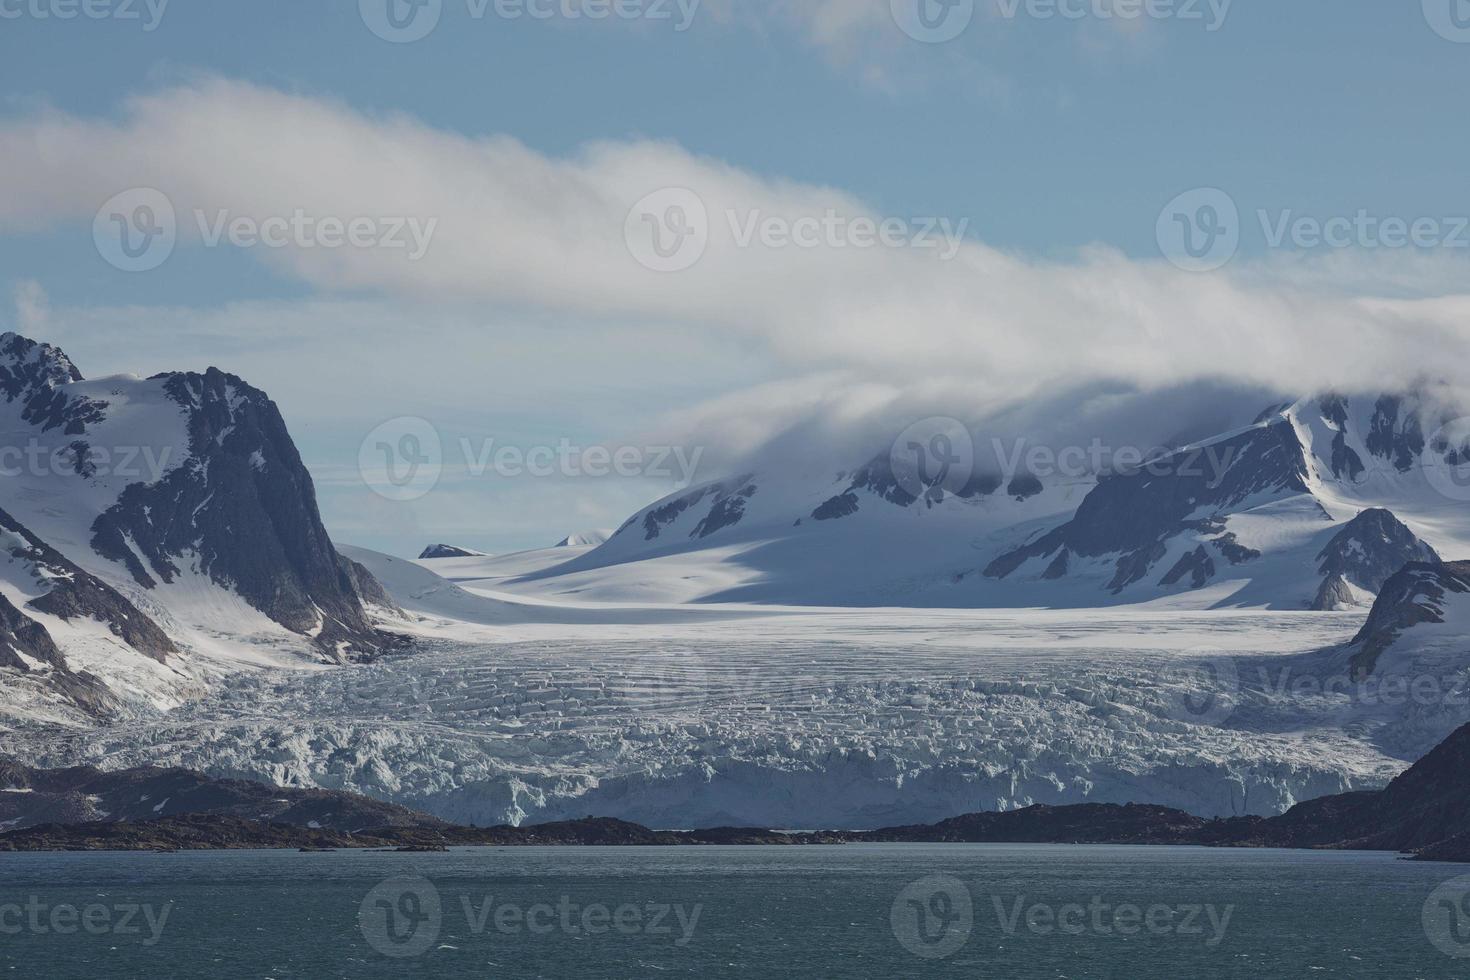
(26, 366)
(244, 507)
(33, 374)
(1365, 554)
(1416, 594)
(447, 551)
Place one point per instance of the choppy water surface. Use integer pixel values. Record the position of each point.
(858, 911)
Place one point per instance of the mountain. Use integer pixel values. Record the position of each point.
(584, 539)
(434, 551)
(1421, 607)
(174, 512)
(1312, 505)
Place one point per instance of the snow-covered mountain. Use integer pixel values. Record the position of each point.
(167, 519)
(1312, 506)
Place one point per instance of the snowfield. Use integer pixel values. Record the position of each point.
(798, 718)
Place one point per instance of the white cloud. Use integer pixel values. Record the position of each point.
(519, 227)
(529, 258)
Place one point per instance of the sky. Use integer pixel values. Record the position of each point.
(604, 248)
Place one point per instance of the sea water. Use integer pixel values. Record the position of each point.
(860, 911)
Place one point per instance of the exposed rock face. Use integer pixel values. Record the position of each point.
(71, 593)
(22, 636)
(726, 503)
(243, 506)
(446, 551)
(1364, 555)
(1419, 593)
(1133, 514)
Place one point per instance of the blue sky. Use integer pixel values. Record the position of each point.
(1051, 138)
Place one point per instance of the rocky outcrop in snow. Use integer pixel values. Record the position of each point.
(1365, 554)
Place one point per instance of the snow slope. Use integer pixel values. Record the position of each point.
(1240, 520)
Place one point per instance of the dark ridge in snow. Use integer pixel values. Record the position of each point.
(1134, 513)
(1365, 554)
(245, 505)
(1418, 593)
(1346, 463)
(76, 594)
(727, 507)
(877, 479)
(1198, 565)
(1234, 552)
(447, 551)
(1395, 434)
